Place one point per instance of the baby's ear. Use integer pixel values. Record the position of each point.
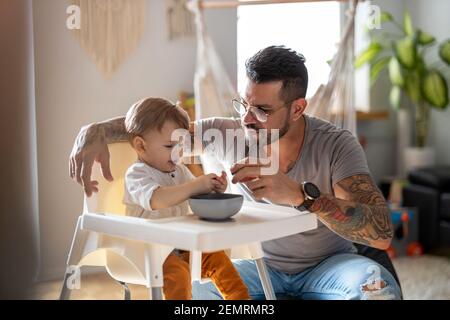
(138, 144)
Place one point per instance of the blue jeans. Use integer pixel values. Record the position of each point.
(339, 277)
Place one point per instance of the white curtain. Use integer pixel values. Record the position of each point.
(213, 88)
(334, 101)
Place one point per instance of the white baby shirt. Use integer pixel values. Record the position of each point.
(141, 180)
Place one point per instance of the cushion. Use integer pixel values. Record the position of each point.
(434, 177)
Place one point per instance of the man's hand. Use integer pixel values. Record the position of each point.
(90, 145)
(277, 188)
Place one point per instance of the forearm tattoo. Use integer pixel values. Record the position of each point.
(114, 130)
(363, 218)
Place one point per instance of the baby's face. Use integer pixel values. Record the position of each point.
(160, 151)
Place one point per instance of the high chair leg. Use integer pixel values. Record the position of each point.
(65, 291)
(127, 293)
(73, 272)
(155, 255)
(265, 279)
(156, 293)
(72, 280)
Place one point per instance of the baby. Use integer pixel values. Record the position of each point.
(156, 186)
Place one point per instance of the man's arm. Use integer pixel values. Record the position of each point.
(357, 212)
(91, 145)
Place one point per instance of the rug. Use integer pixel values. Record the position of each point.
(425, 277)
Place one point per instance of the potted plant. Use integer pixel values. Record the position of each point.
(411, 75)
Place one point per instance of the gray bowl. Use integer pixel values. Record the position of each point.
(216, 206)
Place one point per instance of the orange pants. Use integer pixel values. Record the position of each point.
(216, 266)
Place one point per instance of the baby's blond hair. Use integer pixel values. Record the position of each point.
(152, 113)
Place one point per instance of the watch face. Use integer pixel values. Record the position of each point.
(311, 190)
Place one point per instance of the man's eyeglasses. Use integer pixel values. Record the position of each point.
(260, 114)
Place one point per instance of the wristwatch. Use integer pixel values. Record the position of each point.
(311, 193)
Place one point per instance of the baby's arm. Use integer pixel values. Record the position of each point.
(166, 197)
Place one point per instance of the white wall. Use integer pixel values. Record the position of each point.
(70, 92)
(433, 16)
(381, 135)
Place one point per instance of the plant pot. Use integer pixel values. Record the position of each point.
(418, 158)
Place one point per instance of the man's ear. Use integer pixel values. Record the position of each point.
(139, 144)
(298, 107)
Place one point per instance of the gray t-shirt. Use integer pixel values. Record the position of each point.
(328, 156)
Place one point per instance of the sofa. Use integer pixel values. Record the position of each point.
(428, 190)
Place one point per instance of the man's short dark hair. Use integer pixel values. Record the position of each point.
(278, 63)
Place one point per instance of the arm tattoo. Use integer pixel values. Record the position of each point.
(363, 218)
(114, 130)
(105, 132)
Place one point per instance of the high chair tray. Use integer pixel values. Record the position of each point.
(255, 222)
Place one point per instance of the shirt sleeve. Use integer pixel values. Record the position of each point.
(140, 186)
(348, 158)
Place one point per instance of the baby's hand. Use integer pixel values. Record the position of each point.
(220, 183)
(210, 182)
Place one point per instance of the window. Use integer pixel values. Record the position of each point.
(312, 29)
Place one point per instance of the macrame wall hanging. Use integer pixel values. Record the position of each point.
(110, 30)
(180, 21)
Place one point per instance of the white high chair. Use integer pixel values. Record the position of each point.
(126, 260)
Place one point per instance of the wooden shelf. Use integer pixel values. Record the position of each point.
(372, 115)
(225, 4)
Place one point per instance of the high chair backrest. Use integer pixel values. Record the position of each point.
(109, 199)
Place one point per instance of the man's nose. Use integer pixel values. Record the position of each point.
(248, 118)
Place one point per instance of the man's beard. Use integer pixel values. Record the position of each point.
(252, 133)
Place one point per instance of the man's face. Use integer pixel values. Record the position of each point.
(265, 97)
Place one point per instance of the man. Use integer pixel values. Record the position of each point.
(321, 169)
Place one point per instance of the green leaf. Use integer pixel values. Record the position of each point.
(377, 67)
(421, 67)
(386, 17)
(413, 88)
(444, 51)
(368, 54)
(425, 38)
(395, 73)
(395, 97)
(434, 89)
(406, 51)
(407, 24)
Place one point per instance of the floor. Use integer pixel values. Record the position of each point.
(93, 287)
(424, 277)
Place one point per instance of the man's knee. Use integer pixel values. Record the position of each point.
(351, 277)
(375, 283)
(377, 288)
(205, 291)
